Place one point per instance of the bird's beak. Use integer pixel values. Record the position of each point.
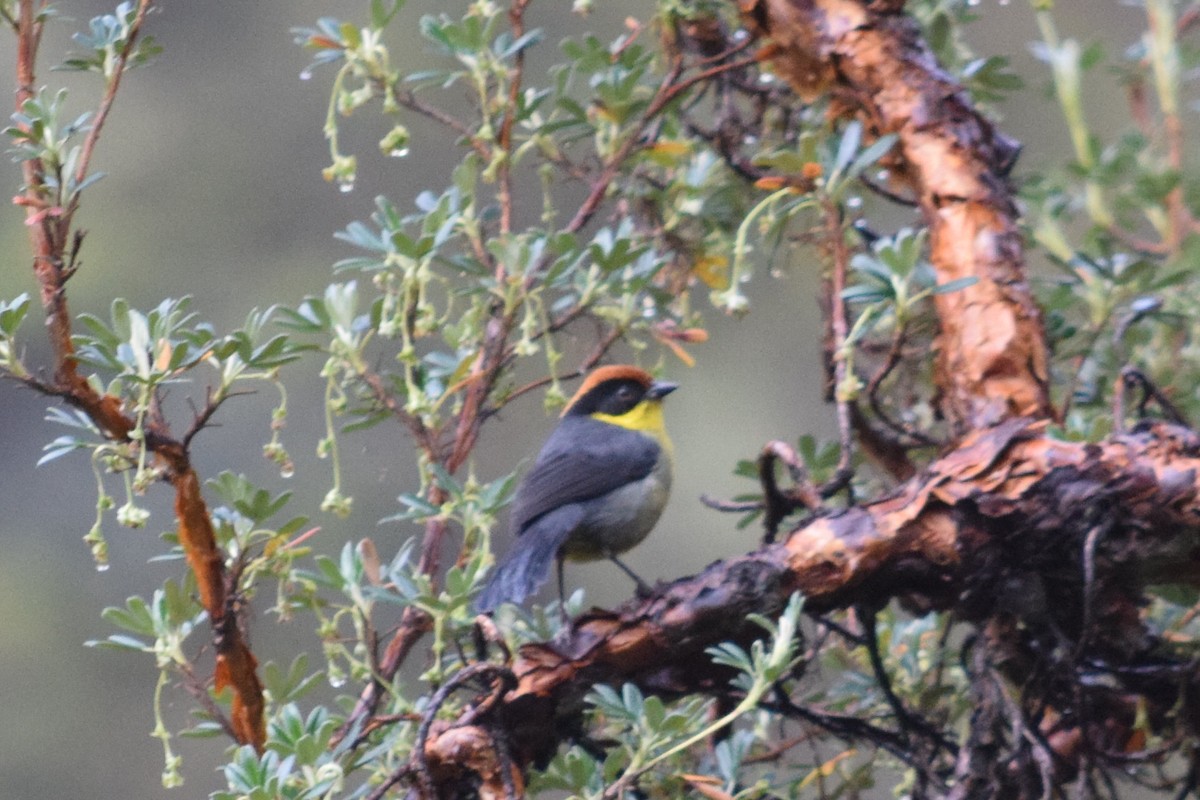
(660, 389)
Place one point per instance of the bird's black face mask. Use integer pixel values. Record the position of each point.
(611, 397)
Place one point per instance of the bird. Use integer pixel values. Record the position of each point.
(596, 489)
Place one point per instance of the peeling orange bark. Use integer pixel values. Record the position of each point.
(236, 667)
(199, 542)
(50, 231)
(1028, 538)
(452, 747)
(1002, 511)
(992, 360)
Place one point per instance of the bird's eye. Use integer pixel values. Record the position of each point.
(625, 393)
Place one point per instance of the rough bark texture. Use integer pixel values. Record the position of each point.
(998, 531)
(1046, 546)
(992, 356)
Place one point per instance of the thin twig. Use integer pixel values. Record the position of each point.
(1089, 586)
(1131, 377)
(414, 624)
(854, 639)
(907, 719)
(505, 681)
(886, 193)
(779, 750)
(731, 506)
(846, 727)
(600, 186)
(839, 257)
(721, 142)
(891, 360)
(382, 721)
(412, 102)
(416, 426)
(598, 352)
(198, 689)
(708, 74)
(516, 24)
(1040, 750)
(106, 102)
(202, 418)
(779, 504)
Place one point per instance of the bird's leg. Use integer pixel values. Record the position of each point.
(644, 589)
(562, 595)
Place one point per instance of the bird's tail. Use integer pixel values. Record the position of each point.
(527, 565)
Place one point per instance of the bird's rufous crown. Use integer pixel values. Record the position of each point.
(614, 372)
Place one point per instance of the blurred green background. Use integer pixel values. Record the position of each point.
(214, 190)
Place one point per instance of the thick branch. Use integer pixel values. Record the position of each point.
(997, 529)
(1045, 546)
(992, 355)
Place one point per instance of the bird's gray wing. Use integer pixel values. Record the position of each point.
(584, 458)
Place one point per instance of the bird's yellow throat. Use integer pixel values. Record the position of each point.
(646, 417)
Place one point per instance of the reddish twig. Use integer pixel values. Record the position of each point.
(407, 99)
(516, 24)
(598, 352)
(839, 256)
(110, 96)
(601, 184)
(891, 361)
(236, 666)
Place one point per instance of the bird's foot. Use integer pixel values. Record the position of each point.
(643, 590)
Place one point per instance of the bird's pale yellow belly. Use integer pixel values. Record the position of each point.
(622, 518)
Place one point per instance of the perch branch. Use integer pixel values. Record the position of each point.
(978, 520)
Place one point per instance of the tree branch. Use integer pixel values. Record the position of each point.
(992, 355)
(1005, 511)
(236, 666)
